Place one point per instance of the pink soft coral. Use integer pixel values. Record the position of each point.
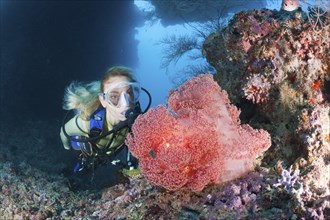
(198, 141)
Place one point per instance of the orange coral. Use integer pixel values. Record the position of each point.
(316, 86)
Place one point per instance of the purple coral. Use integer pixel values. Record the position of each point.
(288, 179)
(239, 196)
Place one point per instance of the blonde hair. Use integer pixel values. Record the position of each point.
(84, 97)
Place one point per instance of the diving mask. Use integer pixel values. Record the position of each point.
(122, 94)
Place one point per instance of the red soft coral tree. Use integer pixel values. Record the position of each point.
(197, 141)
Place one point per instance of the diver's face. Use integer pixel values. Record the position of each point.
(118, 91)
(115, 98)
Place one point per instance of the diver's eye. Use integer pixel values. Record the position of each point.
(114, 98)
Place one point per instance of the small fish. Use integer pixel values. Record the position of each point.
(135, 173)
(115, 162)
(152, 153)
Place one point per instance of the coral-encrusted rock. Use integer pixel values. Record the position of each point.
(198, 141)
(314, 131)
(279, 63)
(262, 50)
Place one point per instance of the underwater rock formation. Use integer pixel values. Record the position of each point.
(277, 63)
(197, 141)
(177, 12)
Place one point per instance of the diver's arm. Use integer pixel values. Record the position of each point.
(72, 129)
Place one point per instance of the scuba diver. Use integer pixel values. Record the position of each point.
(104, 113)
